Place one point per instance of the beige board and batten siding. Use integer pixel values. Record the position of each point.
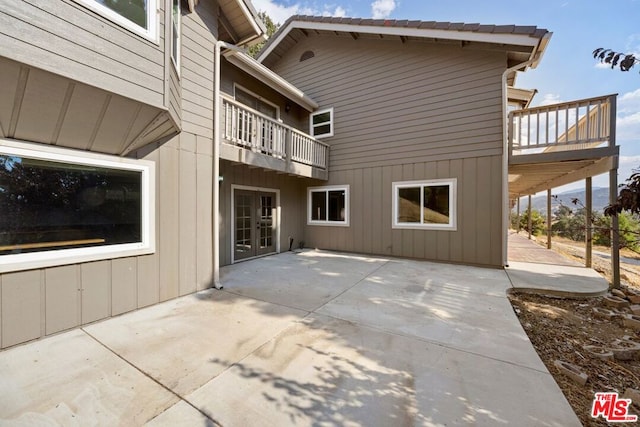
(67, 38)
(40, 302)
(477, 239)
(403, 112)
(292, 202)
(397, 102)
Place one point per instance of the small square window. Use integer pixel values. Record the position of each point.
(328, 205)
(321, 123)
(425, 204)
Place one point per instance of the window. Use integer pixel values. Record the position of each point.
(60, 207)
(328, 205)
(425, 204)
(256, 102)
(322, 123)
(139, 16)
(175, 33)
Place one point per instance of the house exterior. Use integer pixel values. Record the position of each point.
(141, 148)
(417, 121)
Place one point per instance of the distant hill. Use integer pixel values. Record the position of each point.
(600, 200)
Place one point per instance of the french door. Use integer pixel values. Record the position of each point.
(253, 223)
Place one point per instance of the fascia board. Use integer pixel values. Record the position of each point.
(270, 78)
(508, 38)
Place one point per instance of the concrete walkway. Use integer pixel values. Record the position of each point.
(310, 338)
(536, 269)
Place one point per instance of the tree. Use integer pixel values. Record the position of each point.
(628, 197)
(271, 29)
(626, 61)
(537, 222)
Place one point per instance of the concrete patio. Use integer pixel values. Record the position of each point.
(309, 338)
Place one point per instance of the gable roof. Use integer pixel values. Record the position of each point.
(521, 42)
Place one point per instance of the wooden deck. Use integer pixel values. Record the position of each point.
(521, 249)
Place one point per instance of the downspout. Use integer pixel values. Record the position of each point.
(505, 158)
(216, 158)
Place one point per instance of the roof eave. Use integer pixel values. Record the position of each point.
(535, 43)
(259, 71)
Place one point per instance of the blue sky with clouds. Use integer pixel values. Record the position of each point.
(567, 71)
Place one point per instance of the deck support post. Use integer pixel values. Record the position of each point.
(615, 236)
(529, 217)
(588, 225)
(613, 194)
(548, 218)
(518, 216)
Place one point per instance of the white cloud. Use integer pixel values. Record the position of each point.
(550, 98)
(629, 102)
(629, 160)
(279, 12)
(382, 8)
(628, 120)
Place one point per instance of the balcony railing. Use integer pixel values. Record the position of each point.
(576, 125)
(248, 128)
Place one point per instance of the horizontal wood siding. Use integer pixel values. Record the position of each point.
(174, 95)
(292, 203)
(477, 240)
(66, 38)
(41, 302)
(199, 32)
(397, 103)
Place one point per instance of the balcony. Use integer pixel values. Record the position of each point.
(255, 139)
(558, 144)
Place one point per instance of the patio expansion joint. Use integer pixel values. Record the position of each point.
(149, 376)
(437, 343)
(353, 286)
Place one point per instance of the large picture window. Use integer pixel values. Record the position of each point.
(57, 206)
(328, 205)
(139, 16)
(425, 204)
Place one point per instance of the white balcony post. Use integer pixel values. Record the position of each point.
(288, 147)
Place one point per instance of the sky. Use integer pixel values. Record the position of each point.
(567, 71)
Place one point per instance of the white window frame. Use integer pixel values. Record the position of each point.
(150, 33)
(31, 260)
(176, 26)
(326, 189)
(453, 194)
(236, 86)
(330, 123)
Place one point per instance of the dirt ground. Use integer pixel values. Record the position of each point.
(561, 328)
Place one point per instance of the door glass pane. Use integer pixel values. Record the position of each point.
(436, 204)
(266, 221)
(243, 223)
(409, 204)
(336, 205)
(319, 205)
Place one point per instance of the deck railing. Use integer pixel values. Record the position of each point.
(587, 123)
(248, 128)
